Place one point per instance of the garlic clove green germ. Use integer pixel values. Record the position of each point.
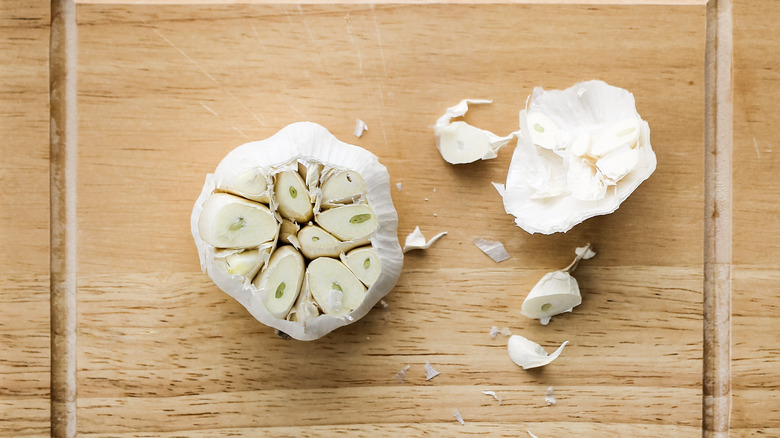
(528, 354)
(228, 221)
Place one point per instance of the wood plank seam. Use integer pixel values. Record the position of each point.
(716, 379)
(63, 141)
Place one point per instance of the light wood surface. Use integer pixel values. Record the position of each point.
(166, 92)
(756, 321)
(24, 219)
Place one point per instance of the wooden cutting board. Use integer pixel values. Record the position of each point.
(164, 92)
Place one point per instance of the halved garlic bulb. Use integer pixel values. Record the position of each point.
(460, 143)
(263, 211)
(580, 153)
(557, 292)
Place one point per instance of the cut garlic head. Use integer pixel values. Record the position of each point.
(265, 236)
(581, 152)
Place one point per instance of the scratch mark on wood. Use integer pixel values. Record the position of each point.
(348, 20)
(755, 145)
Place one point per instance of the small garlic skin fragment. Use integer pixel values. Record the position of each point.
(228, 221)
(342, 187)
(532, 435)
(495, 250)
(416, 240)
(364, 263)
(281, 280)
(430, 371)
(401, 374)
(399, 186)
(494, 395)
(602, 153)
(549, 398)
(528, 354)
(495, 331)
(349, 222)
(360, 126)
(461, 143)
(458, 417)
(292, 197)
(325, 275)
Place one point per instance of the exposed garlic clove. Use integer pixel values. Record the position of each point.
(305, 309)
(228, 221)
(580, 147)
(292, 197)
(310, 172)
(585, 182)
(349, 222)
(416, 240)
(618, 163)
(528, 354)
(280, 282)
(460, 143)
(288, 229)
(244, 263)
(251, 184)
(624, 133)
(316, 242)
(334, 287)
(544, 132)
(364, 263)
(555, 293)
(342, 187)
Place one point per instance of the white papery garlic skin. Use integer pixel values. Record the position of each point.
(460, 143)
(252, 213)
(528, 354)
(580, 153)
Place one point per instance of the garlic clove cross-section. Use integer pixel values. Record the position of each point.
(281, 281)
(528, 354)
(228, 221)
(460, 143)
(259, 217)
(557, 292)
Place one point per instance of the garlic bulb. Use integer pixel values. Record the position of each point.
(581, 152)
(300, 229)
(557, 292)
(460, 143)
(528, 354)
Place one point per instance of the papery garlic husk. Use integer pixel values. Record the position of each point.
(555, 293)
(580, 153)
(461, 143)
(310, 151)
(528, 354)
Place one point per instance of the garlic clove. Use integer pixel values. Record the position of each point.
(555, 293)
(334, 287)
(342, 187)
(364, 263)
(292, 197)
(305, 308)
(461, 143)
(618, 163)
(544, 132)
(316, 242)
(245, 263)
(251, 184)
(624, 133)
(528, 354)
(228, 221)
(349, 222)
(585, 182)
(280, 282)
(288, 229)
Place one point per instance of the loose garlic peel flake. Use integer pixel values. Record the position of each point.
(580, 153)
(250, 192)
(557, 292)
(460, 143)
(528, 354)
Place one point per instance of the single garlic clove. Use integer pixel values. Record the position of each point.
(288, 229)
(334, 287)
(544, 132)
(341, 187)
(292, 197)
(461, 143)
(281, 280)
(350, 222)
(251, 184)
(227, 221)
(585, 182)
(555, 293)
(580, 146)
(244, 263)
(528, 354)
(618, 163)
(305, 309)
(364, 263)
(622, 133)
(316, 242)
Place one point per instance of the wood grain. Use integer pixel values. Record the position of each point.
(24, 219)
(756, 325)
(166, 92)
